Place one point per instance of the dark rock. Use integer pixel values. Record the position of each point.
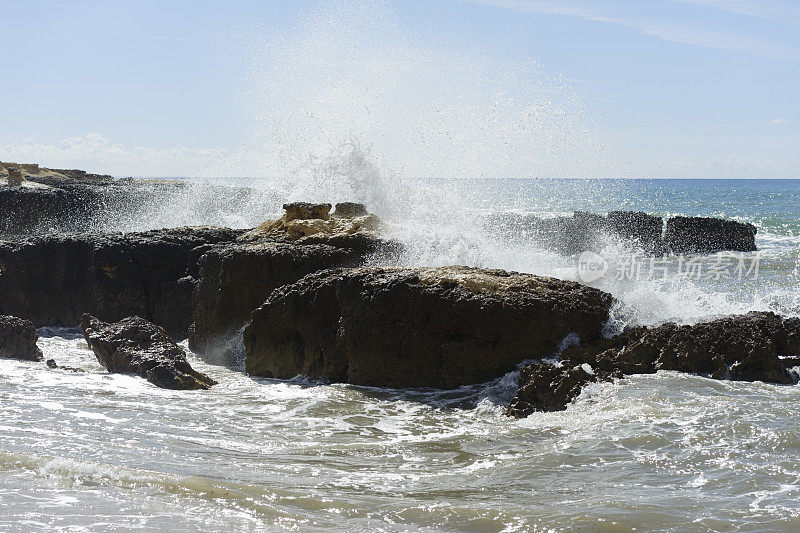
(417, 327)
(135, 346)
(53, 280)
(236, 279)
(547, 387)
(51, 363)
(753, 347)
(350, 210)
(643, 229)
(18, 339)
(686, 235)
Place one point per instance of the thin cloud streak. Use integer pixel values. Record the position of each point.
(781, 12)
(667, 31)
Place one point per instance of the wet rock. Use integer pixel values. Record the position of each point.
(753, 347)
(685, 235)
(350, 210)
(135, 346)
(235, 279)
(416, 327)
(548, 387)
(18, 339)
(53, 280)
(642, 229)
(305, 223)
(306, 211)
(51, 363)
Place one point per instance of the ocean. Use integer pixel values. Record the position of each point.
(96, 451)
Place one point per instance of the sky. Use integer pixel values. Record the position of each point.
(456, 88)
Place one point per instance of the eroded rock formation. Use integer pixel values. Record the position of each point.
(237, 278)
(757, 346)
(18, 339)
(417, 327)
(135, 346)
(53, 280)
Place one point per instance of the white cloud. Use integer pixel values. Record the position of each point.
(779, 121)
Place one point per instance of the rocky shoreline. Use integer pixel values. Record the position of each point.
(297, 296)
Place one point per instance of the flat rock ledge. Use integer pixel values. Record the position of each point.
(135, 346)
(18, 339)
(758, 346)
(417, 327)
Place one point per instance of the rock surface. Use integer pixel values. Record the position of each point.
(417, 327)
(586, 232)
(18, 339)
(135, 346)
(235, 279)
(548, 387)
(305, 223)
(757, 346)
(53, 280)
(685, 235)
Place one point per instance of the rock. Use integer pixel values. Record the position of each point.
(417, 327)
(685, 235)
(642, 229)
(306, 211)
(135, 346)
(757, 346)
(305, 223)
(14, 178)
(51, 363)
(52, 280)
(237, 278)
(548, 387)
(18, 339)
(350, 210)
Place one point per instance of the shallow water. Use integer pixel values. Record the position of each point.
(94, 451)
(90, 451)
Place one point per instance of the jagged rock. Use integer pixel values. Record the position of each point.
(53, 280)
(350, 210)
(417, 327)
(686, 235)
(305, 223)
(135, 346)
(18, 339)
(306, 211)
(753, 347)
(548, 387)
(235, 279)
(14, 178)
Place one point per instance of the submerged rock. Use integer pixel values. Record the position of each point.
(52, 280)
(757, 346)
(135, 346)
(417, 327)
(548, 387)
(18, 339)
(685, 235)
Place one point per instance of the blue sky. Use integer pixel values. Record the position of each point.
(661, 88)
